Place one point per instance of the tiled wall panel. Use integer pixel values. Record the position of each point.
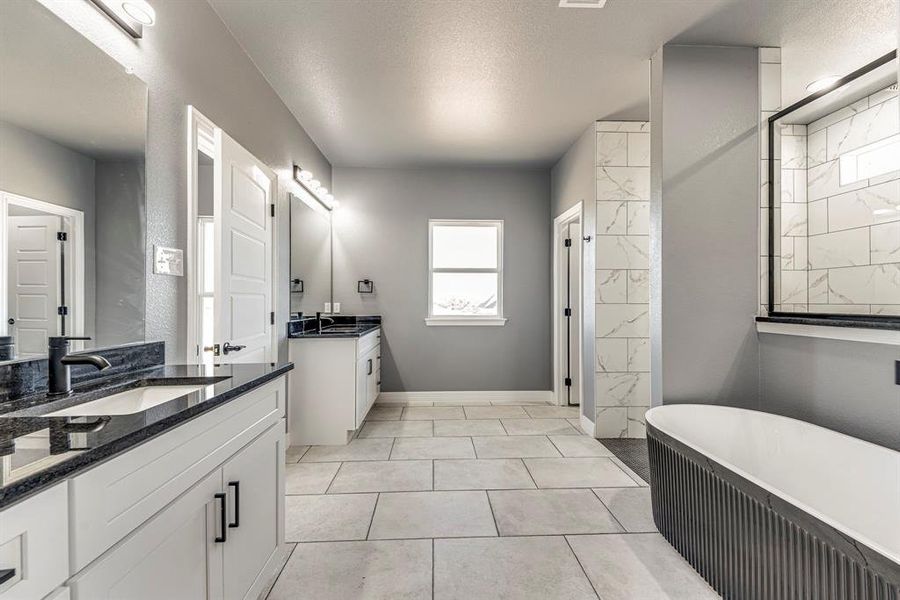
(622, 283)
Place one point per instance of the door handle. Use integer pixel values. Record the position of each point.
(222, 508)
(237, 503)
(369, 367)
(10, 321)
(229, 347)
(214, 349)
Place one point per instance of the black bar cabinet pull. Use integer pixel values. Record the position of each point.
(369, 367)
(237, 503)
(222, 508)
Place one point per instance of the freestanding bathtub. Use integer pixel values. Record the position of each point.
(765, 506)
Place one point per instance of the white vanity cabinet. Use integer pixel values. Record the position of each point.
(194, 513)
(214, 541)
(334, 383)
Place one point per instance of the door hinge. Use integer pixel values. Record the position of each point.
(567, 312)
(62, 310)
(568, 242)
(272, 318)
(568, 382)
(62, 236)
(272, 209)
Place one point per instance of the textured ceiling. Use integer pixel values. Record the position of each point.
(57, 84)
(410, 82)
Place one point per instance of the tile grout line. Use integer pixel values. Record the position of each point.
(372, 518)
(527, 470)
(493, 516)
(578, 560)
(333, 477)
(280, 571)
(615, 518)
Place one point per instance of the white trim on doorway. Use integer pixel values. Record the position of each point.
(75, 297)
(467, 397)
(573, 214)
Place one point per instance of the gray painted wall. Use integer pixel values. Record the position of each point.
(845, 386)
(574, 179)
(121, 235)
(190, 58)
(33, 166)
(707, 245)
(381, 232)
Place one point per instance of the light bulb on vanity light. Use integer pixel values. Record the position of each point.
(305, 175)
(315, 184)
(322, 191)
(822, 84)
(140, 11)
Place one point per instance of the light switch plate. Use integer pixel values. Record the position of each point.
(337, 308)
(168, 261)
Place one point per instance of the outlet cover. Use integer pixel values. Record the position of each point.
(337, 308)
(327, 307)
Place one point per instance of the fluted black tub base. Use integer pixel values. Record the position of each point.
(750, 544)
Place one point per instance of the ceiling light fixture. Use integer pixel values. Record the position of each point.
(130, 15)
(140, 11)
(822, 84)
(314, 187)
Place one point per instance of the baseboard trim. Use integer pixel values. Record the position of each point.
(466, 397)
(587, 426)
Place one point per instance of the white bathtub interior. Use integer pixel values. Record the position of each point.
(851, 484)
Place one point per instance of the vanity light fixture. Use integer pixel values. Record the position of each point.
(130, 15)
(822, 84)
(314, 187)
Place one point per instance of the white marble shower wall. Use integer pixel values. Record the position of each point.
(769, 104)
(622, 279)
(853, 229)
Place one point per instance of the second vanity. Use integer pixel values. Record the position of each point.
(177, 492)
(336, 380)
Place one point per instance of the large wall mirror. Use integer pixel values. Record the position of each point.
(311, 256)
(72, 187)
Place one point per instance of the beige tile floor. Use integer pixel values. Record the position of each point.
(473, 502)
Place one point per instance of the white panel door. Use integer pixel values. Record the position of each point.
(574, 323)
(34, 266)
(243, 192)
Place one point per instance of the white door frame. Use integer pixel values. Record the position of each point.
(75, 296)
(575, 213)
(202, 138)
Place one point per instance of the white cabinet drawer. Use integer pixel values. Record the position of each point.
(34, 542)
(112, 499)
(367, 342)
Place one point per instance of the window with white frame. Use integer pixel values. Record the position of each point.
(465, 272)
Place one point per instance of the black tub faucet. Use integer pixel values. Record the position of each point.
(59, 379)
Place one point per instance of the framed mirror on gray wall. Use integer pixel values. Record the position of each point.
(311, 257)
(72, 188)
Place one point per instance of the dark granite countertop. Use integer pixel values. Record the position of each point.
(340, 331)
(59, 447)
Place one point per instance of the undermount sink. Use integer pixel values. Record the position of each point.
(128, 402)
(340, 329)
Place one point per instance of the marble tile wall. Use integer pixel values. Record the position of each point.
(622, 279)
(840, 244)
(854, 229)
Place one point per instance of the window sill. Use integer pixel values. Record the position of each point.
(465, 321)
(833, 329)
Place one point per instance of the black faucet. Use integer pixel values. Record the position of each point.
(319, 318)
(59, 379)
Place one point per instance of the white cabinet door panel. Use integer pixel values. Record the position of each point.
(174, 555)
(252, 486)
